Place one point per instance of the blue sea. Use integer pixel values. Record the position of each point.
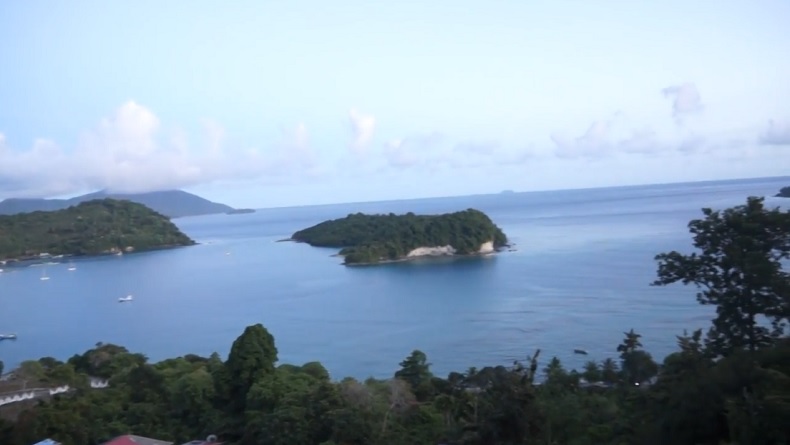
(579, 278)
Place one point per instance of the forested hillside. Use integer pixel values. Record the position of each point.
(373, 238)
(90, 228)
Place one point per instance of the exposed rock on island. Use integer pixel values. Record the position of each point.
(103, 226)
(373, 239)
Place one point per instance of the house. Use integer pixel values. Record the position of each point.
(210, 440)
(130, 439)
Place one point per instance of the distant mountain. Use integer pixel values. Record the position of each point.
(171, 203)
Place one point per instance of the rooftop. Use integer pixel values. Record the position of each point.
(130, 439)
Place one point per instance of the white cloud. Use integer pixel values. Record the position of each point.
(686, 100)
(412, 151)
(127, 152)
(362, 126)
(594, 143)
(777, 133)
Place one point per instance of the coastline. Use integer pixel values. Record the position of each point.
(47, 259)
(406, 259)
(422, 253)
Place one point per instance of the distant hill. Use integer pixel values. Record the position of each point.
(171, 203)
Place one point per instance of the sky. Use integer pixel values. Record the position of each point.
(261, 104)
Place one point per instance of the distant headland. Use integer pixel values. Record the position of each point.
(239, 211)
(102, 226)
(374, 239)
(784, 192)
(171, 203)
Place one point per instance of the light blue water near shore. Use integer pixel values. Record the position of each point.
(578, 280)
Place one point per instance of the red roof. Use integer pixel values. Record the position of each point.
(136, 440)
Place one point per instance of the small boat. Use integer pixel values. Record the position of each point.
(44, 276)
(125, 299)
(7, 336)
(580, 351)
(72, 267)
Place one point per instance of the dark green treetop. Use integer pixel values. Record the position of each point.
(738, 268)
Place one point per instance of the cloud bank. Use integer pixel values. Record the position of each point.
(125, 152)
(132, 151)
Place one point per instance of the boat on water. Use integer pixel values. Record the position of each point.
(7, 336)
(72, 267)
(125, 299)
(44, 276)
(580, 351)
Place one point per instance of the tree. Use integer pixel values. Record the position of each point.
(2, 366)
(416, 371)
(739, 270)
(637, 365)
(252, 356)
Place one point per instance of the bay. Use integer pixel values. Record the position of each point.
(578, 279)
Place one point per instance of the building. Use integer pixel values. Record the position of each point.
(130, 439)
(210, 440)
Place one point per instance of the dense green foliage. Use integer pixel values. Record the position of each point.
(373, 238)
(732, 387)
(784, 192)
(90, 228)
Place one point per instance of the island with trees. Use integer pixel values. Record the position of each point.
(95, 227)
(372, 239)
(784, 192)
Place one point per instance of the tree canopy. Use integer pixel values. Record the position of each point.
(89, 228)
(373, 238)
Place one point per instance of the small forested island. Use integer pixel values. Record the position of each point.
(94, 227)
(784, 192)
(239, 211)
(728, 386)
(371, 239)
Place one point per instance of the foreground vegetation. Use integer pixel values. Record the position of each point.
(89, 228)
(374, 238)
(730, 385)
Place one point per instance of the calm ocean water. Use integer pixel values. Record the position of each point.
(579, 278)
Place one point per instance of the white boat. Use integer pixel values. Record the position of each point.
(72, 267)
(125, 299)
(7, 336)
(44, 276)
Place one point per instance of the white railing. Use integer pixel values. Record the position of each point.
(34, 393)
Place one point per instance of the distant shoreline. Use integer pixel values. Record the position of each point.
(407, 259)
(33, 260)
(510, 247)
